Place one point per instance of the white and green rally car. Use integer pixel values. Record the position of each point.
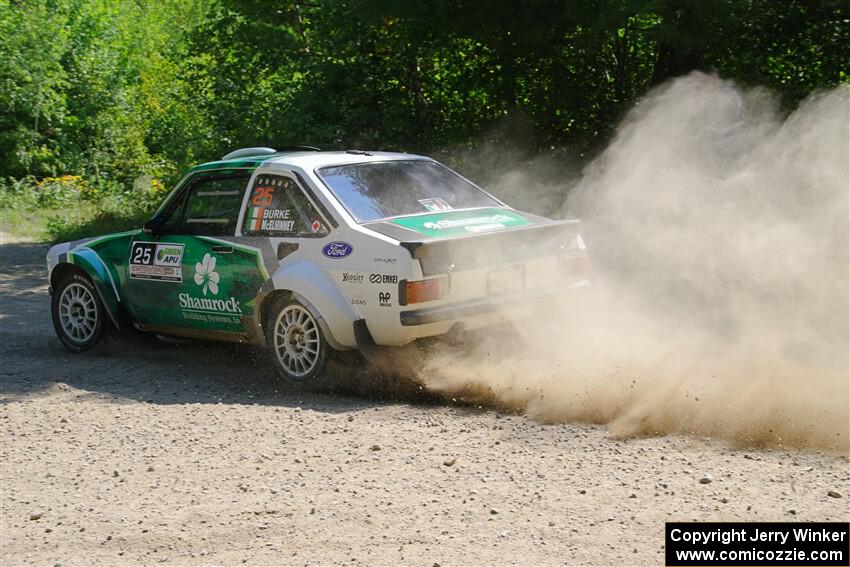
(307, 251)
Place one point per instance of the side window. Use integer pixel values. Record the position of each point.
(277, 206)
(210, 207)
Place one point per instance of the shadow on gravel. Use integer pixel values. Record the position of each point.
(32, 361)
(23, 284)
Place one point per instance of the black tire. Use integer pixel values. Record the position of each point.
(292, 334)
(78, 314)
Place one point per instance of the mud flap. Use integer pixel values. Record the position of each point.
(399, 362)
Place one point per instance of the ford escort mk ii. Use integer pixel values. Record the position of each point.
(309, 252)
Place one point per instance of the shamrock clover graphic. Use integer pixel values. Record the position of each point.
(206, 276)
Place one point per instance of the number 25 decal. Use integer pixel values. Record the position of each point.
(262, 196)
(142, 254)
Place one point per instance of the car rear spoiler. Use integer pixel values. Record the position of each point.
(470, 251)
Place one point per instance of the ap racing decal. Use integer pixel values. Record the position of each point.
(462, 222)
(155, 261)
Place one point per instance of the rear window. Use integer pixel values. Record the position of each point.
(374, 191)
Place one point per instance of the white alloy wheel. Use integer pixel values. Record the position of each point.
(78, 313)
(297, 342)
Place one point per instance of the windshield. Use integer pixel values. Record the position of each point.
(374, 191)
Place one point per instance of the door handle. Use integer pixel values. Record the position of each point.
(222, 249)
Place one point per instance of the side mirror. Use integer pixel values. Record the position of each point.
(154, 225)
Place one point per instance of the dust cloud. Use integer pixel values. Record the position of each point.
(717, 230)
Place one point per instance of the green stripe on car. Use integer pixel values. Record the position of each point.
(462, 222)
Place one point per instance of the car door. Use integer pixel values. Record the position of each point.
(193, 277)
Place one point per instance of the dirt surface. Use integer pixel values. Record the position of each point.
(190, 454)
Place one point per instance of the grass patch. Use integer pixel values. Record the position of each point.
(22, 220)
(65, 209)
(86, 222)
(69, 223)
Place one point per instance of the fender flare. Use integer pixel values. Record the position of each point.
(95, 268)
(309, 282)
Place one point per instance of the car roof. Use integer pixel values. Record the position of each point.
(307, 159)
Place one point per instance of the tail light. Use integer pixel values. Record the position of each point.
(575, 266)
(420, 291)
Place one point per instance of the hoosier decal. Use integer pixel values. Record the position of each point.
(349, 277)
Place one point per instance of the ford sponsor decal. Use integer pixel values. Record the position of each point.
(337, 249)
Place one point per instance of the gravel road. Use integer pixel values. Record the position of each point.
(190, 454)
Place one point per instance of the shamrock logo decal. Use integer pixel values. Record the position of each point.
(206, 276)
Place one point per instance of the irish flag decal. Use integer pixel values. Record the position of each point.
(256, 218)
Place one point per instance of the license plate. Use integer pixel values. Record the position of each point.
(506, 279)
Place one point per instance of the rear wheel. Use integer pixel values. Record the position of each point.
(297, 344)
(77, 313)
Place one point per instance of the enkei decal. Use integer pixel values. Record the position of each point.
(348, 277)
(160, 262)
(384, 299)
(383, 278)
(337, 250)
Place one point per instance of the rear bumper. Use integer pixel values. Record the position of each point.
(475, 307)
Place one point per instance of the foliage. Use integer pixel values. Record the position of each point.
(70, 207)
(100, 97)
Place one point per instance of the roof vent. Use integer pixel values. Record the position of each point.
(242, 152)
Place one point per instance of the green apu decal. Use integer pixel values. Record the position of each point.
(462, 222)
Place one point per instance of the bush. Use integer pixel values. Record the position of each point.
(54, 192)
(70, 207)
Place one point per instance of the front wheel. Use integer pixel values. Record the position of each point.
(297, 344)
(77, 313)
